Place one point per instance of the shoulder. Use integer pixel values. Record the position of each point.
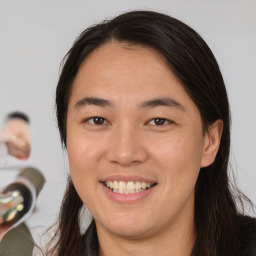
(247, 235)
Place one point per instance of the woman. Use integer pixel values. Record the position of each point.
(143, 112)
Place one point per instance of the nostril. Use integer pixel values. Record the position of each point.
(127, 156)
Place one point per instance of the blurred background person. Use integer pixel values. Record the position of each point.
(15, 135)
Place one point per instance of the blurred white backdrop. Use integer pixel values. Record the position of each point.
(35, 36)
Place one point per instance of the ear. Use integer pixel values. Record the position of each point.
(211, 143)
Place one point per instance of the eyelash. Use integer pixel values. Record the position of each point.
(97, 120)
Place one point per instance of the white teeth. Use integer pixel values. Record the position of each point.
(127, 187)
(130, 185)
(138, 185)
(116, 185)
(122, 185)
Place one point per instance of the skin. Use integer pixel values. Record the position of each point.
(16, 136)
(130, 142)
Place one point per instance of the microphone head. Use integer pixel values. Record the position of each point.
(35, 176)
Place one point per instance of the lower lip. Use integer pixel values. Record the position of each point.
(127, 198)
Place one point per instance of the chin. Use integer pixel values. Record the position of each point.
(127, 227)
(129, 232)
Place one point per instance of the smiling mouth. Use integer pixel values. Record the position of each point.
(129, 187)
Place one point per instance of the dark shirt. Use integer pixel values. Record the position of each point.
(247, 236)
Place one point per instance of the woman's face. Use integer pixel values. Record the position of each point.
(135, 142)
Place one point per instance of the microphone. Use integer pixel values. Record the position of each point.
(17, 200)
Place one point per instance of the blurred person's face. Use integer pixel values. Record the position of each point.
(16, 136)
(135, 142)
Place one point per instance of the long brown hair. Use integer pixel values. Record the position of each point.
(193, 63)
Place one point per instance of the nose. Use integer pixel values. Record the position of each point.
(127, 147)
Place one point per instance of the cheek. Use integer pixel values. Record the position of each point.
(179, 165)
(82, 170)
(83, 158)
(179, 159)
(82, 150)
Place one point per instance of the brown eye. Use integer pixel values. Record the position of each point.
(159, 121)
(97, 120)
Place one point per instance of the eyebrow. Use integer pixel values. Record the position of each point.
(93, 101)
(168, 102)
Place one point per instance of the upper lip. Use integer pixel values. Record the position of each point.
(127, 178)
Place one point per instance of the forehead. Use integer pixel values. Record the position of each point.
(122, 72)
(124, 51)
(124, 64)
